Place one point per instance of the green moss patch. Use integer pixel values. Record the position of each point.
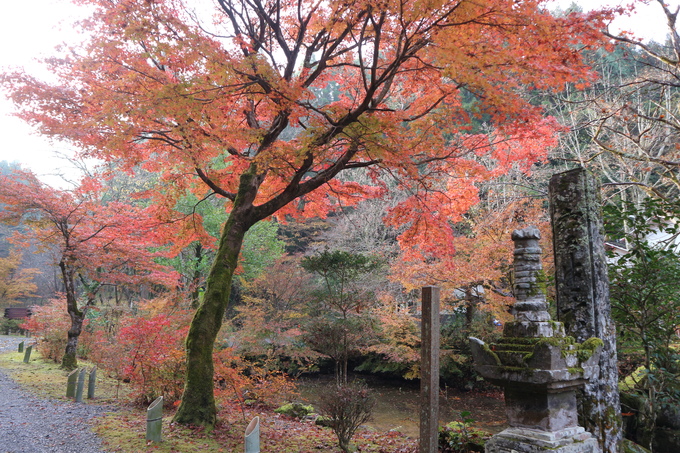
(46, 379)
(295, 410)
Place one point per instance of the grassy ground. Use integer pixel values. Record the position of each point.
(46, 380)
(124, 429)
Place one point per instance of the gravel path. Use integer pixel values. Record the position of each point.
(32, 425)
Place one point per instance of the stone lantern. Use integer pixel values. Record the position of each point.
(538, 367)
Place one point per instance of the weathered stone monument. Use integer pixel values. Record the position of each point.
(582, 287)
(80, 385)
(27, 353)
(538, 367)
(91, 382)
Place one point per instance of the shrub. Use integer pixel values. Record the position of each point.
(347, 406)
(146, 350)
(249, 382)
(50, 324)
(461, 437)
(153, 350)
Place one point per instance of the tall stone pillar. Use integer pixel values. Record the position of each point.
(582, 287)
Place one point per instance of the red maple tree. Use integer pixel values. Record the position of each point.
(268, 104)
(95, 243)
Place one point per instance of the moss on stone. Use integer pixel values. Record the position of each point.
(513, 349)
(519, 340)
(488, 350)
(558, 342)
(296, 410)
(541, 284)
(557, 328)
(631, 447)
(612, 418)
(564, 344)
(587, 348)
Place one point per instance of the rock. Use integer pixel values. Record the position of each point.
(296, 410)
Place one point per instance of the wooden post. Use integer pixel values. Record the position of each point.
(21, 347)
(582, 285)
(80, 385)
(91, 382)
(429, 371)
(154, 420)
(71, 384)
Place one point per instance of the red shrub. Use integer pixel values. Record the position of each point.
(50, 324)
(236, 378)
(153, 349)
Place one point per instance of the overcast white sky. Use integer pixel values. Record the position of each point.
(30, 29)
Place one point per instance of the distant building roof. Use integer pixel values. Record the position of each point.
(17, 312)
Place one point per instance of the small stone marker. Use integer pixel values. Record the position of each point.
(80, 385)
(154, 420)
(92, 379)
(429, 371)
(253, 436)
(27, 353)
(21, 347)
(71, 384)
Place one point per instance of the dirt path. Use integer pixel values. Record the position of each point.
(32, 425)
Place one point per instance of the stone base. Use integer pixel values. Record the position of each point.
(525, 440)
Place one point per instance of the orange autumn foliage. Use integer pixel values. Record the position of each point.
(48, 324)
(482, 257)
(15, 283)
(268, 103)
(152, 89)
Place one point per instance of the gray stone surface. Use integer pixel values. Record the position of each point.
(522, 440)
(582, 287)
(537, 366)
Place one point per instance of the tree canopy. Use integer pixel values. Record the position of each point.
(93, 243)
(272, 104)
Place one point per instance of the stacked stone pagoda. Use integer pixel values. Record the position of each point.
(538, 366)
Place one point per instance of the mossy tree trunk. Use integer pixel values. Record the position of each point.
(69, 361)
(196, 277)
(198, 401)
